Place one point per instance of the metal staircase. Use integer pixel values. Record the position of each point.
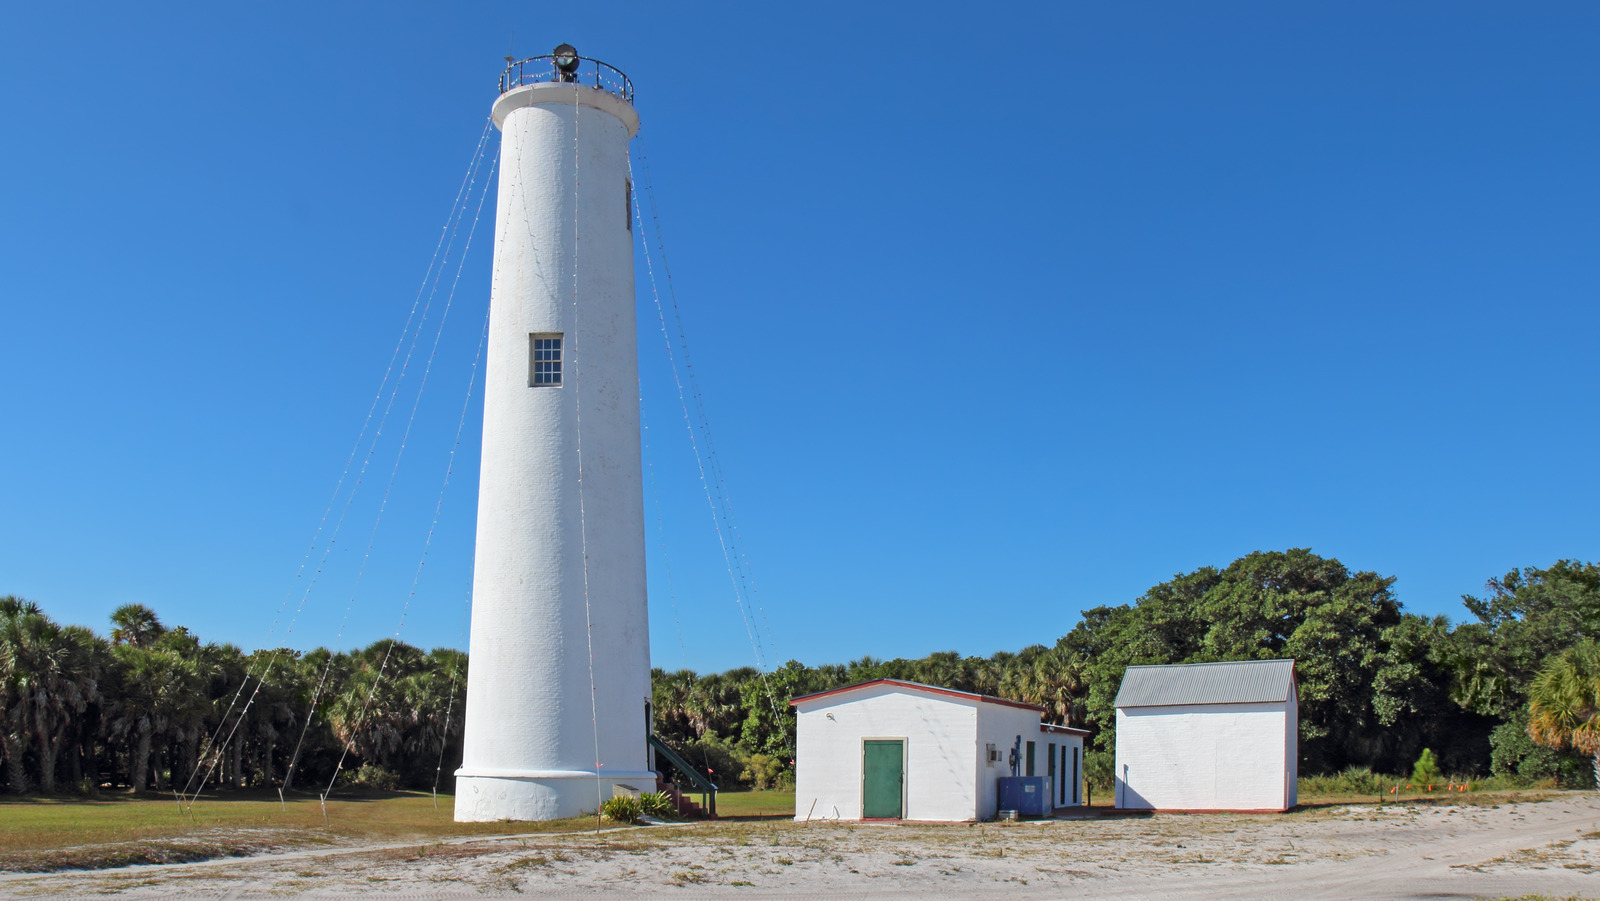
(697, 780)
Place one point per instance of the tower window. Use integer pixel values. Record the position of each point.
(628, 213)
(544, 361)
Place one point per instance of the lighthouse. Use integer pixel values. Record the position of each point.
(558, 693)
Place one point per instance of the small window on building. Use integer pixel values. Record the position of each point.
(993, 755)
(544, 361)
(628, 213)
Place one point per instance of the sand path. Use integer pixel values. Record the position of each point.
(1548, 847)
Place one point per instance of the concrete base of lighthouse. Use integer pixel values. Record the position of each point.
(488, 797)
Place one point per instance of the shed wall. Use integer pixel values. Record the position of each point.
(1291, 749)
(1205, 757)
(1073, 790)
(941, 750)
(1003, 726)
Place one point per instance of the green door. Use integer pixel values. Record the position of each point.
(882, 778)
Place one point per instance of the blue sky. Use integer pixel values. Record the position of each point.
(999, 313)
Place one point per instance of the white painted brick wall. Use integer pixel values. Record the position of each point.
(939, 732)
(947, 776)
(1206, 757)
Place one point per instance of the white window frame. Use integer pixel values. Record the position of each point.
(534, 359)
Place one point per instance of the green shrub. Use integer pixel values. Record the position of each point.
(1511, 782)
(761, 771)
(1427, 771)
(657, 805)
(1100, 770)
(1513, 753)
(372, 776)
(621, 809)
(1351, 781)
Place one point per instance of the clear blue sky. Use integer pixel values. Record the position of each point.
(1000, 313)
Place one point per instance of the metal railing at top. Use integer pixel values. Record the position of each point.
(543, 70)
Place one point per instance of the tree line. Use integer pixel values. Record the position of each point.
(152, 707)
(1509, 690)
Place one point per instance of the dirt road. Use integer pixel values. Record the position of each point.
(1550, 847)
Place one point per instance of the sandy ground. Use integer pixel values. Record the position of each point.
(1548, 848)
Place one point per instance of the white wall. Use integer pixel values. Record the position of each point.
(1291, 749)
(1204, 757)
(1074, 791)
(939, 732)
(1002, 725)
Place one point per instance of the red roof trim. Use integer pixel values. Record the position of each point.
(918, 686)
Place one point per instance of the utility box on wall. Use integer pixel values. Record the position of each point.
(1029, 796)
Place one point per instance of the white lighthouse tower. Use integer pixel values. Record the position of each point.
(559, 688)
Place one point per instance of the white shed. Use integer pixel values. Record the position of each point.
(889, 749)
(1208, 736)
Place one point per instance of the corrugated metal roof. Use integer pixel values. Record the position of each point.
(1237, 682)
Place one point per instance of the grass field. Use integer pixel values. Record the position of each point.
(114, 830)
(44, 834)
(755, 804)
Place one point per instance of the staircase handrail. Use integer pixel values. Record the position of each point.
(701, 783)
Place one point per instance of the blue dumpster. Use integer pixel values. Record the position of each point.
(1029, 796)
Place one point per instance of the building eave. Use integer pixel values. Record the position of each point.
(917, 686)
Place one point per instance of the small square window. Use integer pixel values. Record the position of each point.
(544, 361)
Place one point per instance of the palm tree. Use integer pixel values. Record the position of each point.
(948, 669)
(49, 678)
(222, 751)
(187, 713)
(1054, 679)
(672, 694)
(385, 703)
(716, 704)
(436, 694)
(14, 689)
(272, 710)
(137, 625)
(162, 690)
(1564, 702)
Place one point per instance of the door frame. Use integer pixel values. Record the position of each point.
(903, 759)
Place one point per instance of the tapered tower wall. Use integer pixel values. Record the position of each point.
(559, 563)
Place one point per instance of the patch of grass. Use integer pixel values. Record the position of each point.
(1357, 784)
(755, 804)
(47, 834)
(120, 854)
(693, 875)
(538, 860)
(1411, 798)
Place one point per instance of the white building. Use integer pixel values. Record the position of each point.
(889, 749)
(1208, 736)
(558, 698)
